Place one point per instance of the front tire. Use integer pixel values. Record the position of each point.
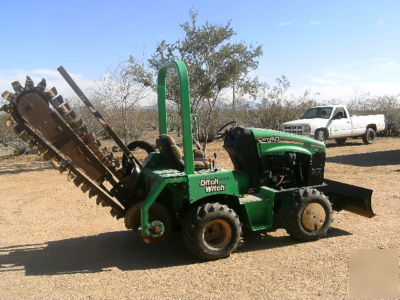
(157, 212)
(321, 136)
(212, 231)
(369, 136)
(307, 216)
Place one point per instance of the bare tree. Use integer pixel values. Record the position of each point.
(121, 90)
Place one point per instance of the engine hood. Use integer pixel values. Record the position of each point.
(316, 122)
(274, 138)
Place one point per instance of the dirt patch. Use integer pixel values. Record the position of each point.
(55, 242)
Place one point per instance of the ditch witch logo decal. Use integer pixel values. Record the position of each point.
(212, 185)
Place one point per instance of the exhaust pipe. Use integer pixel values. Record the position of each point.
(349, 197)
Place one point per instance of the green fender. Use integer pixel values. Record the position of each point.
(283, 149)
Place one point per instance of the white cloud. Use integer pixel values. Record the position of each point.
(387, 64)
(346, 92)
(336, 75)
(323, 81)
(284, 23)
(313, 22)
(376, 76)
(381, 22)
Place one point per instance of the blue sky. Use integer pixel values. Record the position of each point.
(339, 48)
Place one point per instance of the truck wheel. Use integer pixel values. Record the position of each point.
(307, 216)
(320, 135)
(369, 136)
(341, 141)
(211, 231)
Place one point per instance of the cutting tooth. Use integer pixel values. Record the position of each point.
(78, 180)
(41, 149)
(29, 83)
(50, 95)
(99, 200)
(54, 90)
(85, 187)
(42, 85)
(32, 143)
(17, 130)
(71, 176)
(6, 108)
(89, 138)
(63, 110)
(100, 155)
(57, 101)
(24, 136)
(116, 163)
(68, 118)
(48, 155)
(77, 123)
(55, 163)
(8, 96)
(93, 192)
(113, 212)
(62, 169)
(93, 147)
(72, 114)
(81, 131)
(17, 87)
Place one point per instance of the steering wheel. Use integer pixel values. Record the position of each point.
(221, 132)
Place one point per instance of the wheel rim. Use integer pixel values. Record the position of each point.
(313, 217)
(321, 136)
(370, 136)
(217, 234)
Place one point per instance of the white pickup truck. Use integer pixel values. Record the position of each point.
(334, 122)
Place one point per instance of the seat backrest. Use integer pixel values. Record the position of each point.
(171, 152)
(241, 146)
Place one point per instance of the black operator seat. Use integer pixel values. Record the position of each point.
(174, 157)
(241, 146)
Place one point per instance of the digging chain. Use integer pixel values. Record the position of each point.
(49, 151)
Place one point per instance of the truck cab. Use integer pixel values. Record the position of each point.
(335, 122)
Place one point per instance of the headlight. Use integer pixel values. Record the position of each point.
(307, 128)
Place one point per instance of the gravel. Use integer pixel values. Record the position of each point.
(56, 243)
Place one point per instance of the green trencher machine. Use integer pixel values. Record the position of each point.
(277, 181)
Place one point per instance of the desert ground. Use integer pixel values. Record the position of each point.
(56, 243)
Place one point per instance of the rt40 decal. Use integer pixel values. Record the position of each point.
(271, 139)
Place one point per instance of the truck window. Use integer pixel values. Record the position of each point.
(340, 113)
(318, 112)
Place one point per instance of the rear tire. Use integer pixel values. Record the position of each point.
(211, 231)
(307, 216)
(341, 141)
(369, 136)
